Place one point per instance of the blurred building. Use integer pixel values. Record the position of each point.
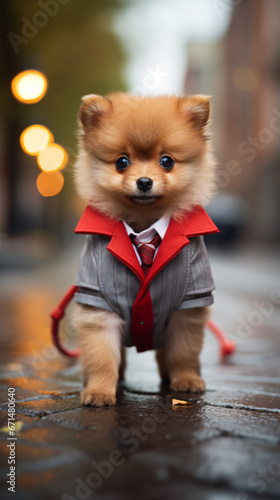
(79, 52)
(242, 71)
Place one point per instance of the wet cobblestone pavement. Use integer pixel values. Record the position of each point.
(225, 445)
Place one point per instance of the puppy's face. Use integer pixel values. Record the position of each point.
(143, 156)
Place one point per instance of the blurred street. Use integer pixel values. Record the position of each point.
(222, 446)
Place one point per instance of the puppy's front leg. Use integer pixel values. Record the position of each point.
(184, 340)
(100, 342)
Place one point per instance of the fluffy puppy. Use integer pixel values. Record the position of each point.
(141, 159)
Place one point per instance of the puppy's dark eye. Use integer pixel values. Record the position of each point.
(122, 163)
(167, 162)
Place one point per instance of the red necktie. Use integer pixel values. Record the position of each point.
(146, 251)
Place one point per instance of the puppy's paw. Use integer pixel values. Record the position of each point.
(91, 397)
(188, 383)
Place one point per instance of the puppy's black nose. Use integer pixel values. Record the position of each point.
(144, 183)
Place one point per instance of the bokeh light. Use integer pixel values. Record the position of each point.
(49, 183)
(245, 78)
(29, 86)
(52, 157)
(35, 138)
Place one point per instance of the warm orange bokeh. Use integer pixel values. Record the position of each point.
(53, 157)
(35, 138)
(29, 86)
(50, 183)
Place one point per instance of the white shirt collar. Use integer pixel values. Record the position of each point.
(160, 227)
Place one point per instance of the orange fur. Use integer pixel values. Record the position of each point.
(100, 342)
(178, 359)
(143, 129)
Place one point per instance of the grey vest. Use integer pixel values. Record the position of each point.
(105, 282)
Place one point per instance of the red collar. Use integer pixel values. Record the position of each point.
(193, 223)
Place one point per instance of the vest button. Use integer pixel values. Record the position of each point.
(142, 323)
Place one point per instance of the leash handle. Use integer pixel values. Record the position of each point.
(227, 346)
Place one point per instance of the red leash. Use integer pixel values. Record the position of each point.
(227, 346)
(56, 315)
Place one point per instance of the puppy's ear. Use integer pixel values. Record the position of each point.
(196, 108)
(92, 109)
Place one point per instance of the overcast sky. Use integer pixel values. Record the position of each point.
(156, 33)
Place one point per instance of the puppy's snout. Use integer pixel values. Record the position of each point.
(144, 183)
